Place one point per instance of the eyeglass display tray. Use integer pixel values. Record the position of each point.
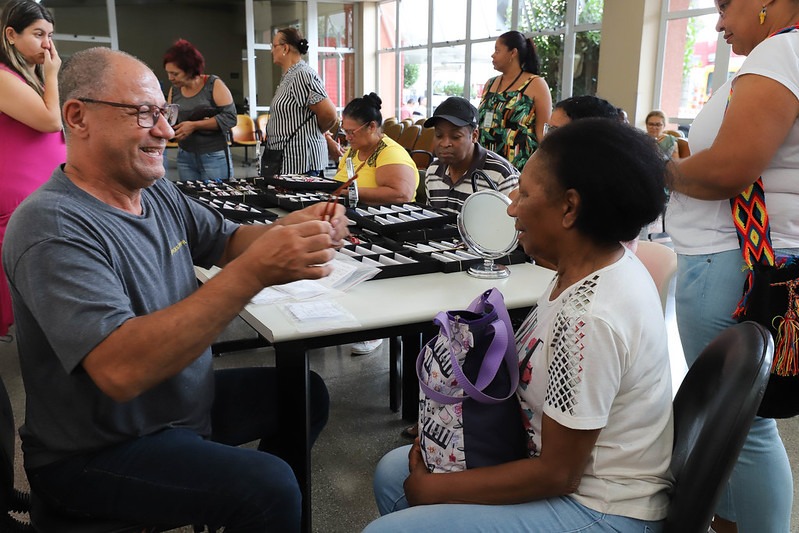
(294, 200)
(238, 212)
(243, 190)
(395, 219)
(299, 182)
(454, 256)
(391, 259)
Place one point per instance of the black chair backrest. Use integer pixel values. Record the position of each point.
(11, 500)
(713, 411)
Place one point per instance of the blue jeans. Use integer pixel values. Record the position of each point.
(175, 477)
(210, 166)
(760, 492)
(552, 515)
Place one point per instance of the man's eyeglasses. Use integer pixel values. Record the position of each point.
(350, 133)
(549, 127)
(146, 114)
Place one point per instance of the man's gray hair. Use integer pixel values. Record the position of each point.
(86, 74)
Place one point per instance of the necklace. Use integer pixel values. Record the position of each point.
(519, 75)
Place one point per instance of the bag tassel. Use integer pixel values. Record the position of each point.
(742, 303)
(786, 362)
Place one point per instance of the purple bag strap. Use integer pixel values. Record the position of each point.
(501, 349)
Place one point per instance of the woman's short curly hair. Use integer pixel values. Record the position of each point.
(186, 57)
(616, 169)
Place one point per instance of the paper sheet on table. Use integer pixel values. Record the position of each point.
(347, 272)
(318, 315)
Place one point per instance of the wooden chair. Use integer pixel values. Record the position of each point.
(393, 131)
(408, 137)
(422, 153)
(388, 122)
(675, 133)
(261, 123)
(683, 149)
(421, 122)
(245, 134)
(407, 122)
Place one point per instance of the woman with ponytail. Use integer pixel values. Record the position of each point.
(31, 139)
(516, 104)
(301, 111)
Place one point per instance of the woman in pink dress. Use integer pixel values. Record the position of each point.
(31, 138)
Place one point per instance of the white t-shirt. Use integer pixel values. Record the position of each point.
(597, 357)
(700, 226)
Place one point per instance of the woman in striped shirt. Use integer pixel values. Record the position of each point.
(301, 110)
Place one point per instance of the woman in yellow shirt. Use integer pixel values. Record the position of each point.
(386, 172)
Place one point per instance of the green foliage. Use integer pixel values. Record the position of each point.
(410, 74)
(549, 15)
(450, 88)
(688, 61)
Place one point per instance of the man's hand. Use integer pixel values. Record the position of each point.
(291, 252)
(338, 222)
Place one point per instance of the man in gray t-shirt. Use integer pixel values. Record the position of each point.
(125, 417)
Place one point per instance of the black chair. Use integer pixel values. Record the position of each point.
(713, 411)
(15, 504)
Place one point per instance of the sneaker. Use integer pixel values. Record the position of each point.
(411, 432)
(365, 347)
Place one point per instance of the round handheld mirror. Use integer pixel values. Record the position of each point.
(487, 229)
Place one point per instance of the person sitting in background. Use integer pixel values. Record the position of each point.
(579, 107)
(421, 107)
(406, 111)
(386, 172)
(656, 128)
(596, 380)
(126, 418)
(462, 167)
(205, 116)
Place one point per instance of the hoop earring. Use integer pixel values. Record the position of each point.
(762, 15)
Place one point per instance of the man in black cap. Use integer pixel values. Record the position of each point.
(462, 166)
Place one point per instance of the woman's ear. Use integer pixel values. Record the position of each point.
(571, 208)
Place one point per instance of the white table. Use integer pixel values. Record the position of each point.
(387, 308)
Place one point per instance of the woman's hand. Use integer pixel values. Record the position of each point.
(184, 129)
(52, 62)
(418, 480)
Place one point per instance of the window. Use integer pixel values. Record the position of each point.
(336, 54)
(691, 54)
(460, 52)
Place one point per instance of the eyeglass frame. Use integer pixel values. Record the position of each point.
(656, 125)
(154, 111)
(350, 133)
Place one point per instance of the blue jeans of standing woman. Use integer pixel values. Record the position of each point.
(210, 166)
(175, 477)
(551, 515)
(760, 492)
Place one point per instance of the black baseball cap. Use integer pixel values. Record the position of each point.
(459, 111)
